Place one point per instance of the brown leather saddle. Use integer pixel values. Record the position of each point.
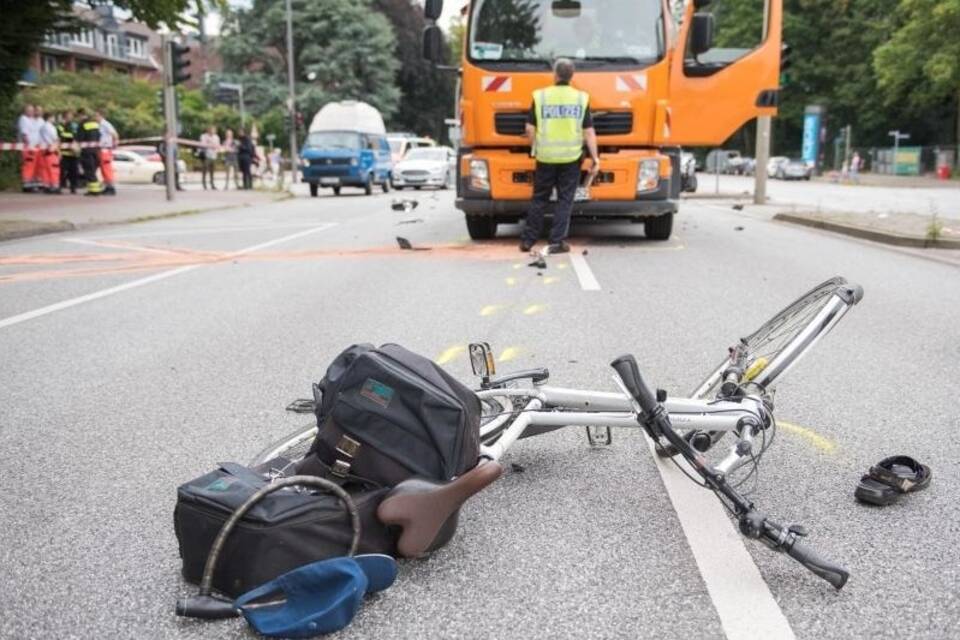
(427, 511)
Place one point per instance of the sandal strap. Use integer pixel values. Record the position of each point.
(883, 472)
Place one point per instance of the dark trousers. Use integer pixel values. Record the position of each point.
(69, 172)
(566, 178)
(245, 170)
(207, 169)
(90, 160)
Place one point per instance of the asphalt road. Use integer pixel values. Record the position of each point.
(137, 357)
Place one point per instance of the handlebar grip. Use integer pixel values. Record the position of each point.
(626, 368)
(837, 576)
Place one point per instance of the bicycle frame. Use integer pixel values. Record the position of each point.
(549, 407)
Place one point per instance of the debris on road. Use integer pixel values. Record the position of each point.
(738, 207)
(539, 263)
(404, 204)
(404, 243)
(738, 228)
(584, 252)
(411, 221)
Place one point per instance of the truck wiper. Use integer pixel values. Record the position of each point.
(614, 59)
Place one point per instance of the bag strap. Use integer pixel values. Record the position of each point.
(244, 473)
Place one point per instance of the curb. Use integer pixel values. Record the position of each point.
(43, 228)
(886, 237)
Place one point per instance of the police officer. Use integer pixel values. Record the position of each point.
(67, 130)
(558, 124)
(89, 156)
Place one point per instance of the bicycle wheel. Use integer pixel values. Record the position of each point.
(293, 446)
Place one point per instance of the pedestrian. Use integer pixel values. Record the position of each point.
(246, 156)
(50, 154)
(558, 125)
(162, 151)
(855, 168)
(67, 132)
(209, 150)
(28, 134)
(108, 141)
(89, 134)
(230, 162)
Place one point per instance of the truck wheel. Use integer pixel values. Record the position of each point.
(336, 190)
(314, 187)
(368, 185)
(481, 227)
(659, 227)
(692, 184)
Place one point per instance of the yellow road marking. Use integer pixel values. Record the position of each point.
(518, 265)
(491, 309)
(511, 281)
(820, 442)
(533, 309)
(562, 265)
(450, 353)
(508, 354)
(550, 280)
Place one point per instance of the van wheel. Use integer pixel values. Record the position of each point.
(336, 190)
(368, 185)
(481, 227)
(385, 186)
(659, 227)
(314, 187)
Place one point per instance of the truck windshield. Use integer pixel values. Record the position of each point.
(595, 31)
(333, 140)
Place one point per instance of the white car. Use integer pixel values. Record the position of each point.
(425, 167)
(141, 165)
(773, 165)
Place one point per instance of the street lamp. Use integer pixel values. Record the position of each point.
(897, 137)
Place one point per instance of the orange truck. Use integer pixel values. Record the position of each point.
(656, 84)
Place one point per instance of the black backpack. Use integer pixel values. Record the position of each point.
(386, 414)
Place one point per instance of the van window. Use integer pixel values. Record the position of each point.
(333, 140)
(384, 145)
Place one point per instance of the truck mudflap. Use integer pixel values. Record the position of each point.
(653, 203)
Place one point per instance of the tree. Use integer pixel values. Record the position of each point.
(343, 50)
(426, 93)
(920, 64)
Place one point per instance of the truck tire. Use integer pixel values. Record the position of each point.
(692, 184)
(314, 187)
(481, 227)
(336, 190)
(658, 227)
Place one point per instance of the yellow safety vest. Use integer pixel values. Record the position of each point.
(559, 111)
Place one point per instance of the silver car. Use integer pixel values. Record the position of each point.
(425, 167)
(794, 170)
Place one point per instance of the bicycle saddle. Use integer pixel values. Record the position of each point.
(427, 511)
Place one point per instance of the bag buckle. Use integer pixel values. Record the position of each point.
(347, 446)
(340, 469)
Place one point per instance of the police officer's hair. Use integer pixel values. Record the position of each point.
(563, 69)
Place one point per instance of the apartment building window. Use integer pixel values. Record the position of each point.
(49, 64)
(112, 45)
(84, 38)
(136, 47)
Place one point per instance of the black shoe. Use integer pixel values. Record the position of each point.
(525, 248)
(560, 247)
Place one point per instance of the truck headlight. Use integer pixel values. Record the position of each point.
(304, 162)
(648, 176)
(479, 175)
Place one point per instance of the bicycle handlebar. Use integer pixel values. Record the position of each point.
(752, 524)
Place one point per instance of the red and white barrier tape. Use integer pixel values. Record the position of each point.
(20, 146)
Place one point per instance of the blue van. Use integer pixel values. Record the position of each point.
(347, 146)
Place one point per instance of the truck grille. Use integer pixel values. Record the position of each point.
(607, 123)
(328, 162)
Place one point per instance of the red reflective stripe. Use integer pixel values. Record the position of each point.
(496, 83)
(631, 83)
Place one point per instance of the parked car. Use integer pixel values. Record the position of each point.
(688, 172)
(141, 165)
(425, 167)
(400, 143)
(728, 161)
(794, 169)
(346, 146)
(774, 164)
(747, 167)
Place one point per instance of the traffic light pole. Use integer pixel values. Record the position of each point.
(762, 155)
(170, 118)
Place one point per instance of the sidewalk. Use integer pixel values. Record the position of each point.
(28, 214)
(901, 229)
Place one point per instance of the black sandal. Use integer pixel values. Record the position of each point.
(891, 477)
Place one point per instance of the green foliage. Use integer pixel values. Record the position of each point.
(343, 45)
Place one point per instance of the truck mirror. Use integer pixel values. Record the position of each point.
(565, 8)
(701, 33)
(433, 49)
(432, 9)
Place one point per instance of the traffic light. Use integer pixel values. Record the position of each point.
(179, 62)
(785, 62)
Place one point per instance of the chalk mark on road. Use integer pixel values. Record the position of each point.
(103, 293)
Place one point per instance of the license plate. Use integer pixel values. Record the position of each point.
(329, 180)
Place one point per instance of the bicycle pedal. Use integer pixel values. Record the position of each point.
(599, 436)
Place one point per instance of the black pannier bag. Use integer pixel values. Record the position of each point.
(386, 414)
(286, 529)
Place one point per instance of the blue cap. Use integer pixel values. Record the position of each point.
(320, 597)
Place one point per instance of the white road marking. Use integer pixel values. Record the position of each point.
(114, 245)
(588, 282)
(219, 229)
(163, 275)
(742, 599)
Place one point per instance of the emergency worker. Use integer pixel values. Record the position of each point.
(558, 124)
(108, 141)
(50, 154)
(89, 132)
(28, 135)
(67, 132)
